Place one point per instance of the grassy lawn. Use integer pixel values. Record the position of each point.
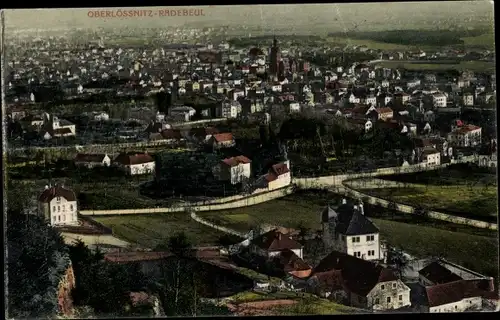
(475, 252)
(477, 202)
(474, 247)
(152, 230)
(477, 66)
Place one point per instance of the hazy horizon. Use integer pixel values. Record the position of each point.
(297, 17)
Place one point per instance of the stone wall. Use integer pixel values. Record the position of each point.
(411, 210)
(218, 204)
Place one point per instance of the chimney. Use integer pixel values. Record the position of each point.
(46, 187)
(355, 208)
(344, 201)
(361, 210)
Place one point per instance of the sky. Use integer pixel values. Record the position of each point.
(310, 17)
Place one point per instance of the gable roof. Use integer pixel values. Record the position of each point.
(234, 161)
(131, 159)
(57, 191)
(455, 291)
(351, 221)
(437, 273)
(330, 281)
(292, 262)
(275, 240)
(222, 137)
(360, 276)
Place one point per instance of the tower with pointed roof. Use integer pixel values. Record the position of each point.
(274, 59)
(346, 229)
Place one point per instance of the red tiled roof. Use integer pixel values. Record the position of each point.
(57, 191)
(279, 169)
(223, 137)
(275, 241)
(131, 159)
(384, 110)
(445, 293)
(292, 262)
(466, 129)
(234, 161)
(171, 134)
(90, 157)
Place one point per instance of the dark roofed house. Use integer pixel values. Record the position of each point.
(347, 229)
(436, 273)
(273, 242)
(460, 296)
(367, 284)
(91, 160)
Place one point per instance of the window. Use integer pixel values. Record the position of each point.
(59, 218)
(58, 208)
(58, 199)
(355, 239)
(400, 297)
(371, 253)
(54, 208)
(64, 207)
(388, 299)
(377, 301)
(370, 238)
(71, 207)
(394, 285)
(382, 287)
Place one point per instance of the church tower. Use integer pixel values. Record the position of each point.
(275, 58)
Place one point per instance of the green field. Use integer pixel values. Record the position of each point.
(149, 231)
(476, 202)
(307, 304)
(486, 40)
(466, 245)
(477, 66)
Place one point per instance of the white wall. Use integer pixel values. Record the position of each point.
(459, 306)
(364, 246)
(137, 169)
(63, 212)
(396, 291)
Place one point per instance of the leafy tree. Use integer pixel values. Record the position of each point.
(399, 259)
(37, 260)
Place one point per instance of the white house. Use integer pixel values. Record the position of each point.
(431, 157)
(465, 136)
(348, 230)
(439, 100)
(100, 116)
(228, 109)
(234, 169)
(294, 107)
(92, 160)
(183, 113)
(279, 176)
(452, 288)
(468, 99)
(58, 205)
(55, 127)
(135, 163)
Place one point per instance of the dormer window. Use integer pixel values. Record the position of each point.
(58, 199)
(382, 287)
